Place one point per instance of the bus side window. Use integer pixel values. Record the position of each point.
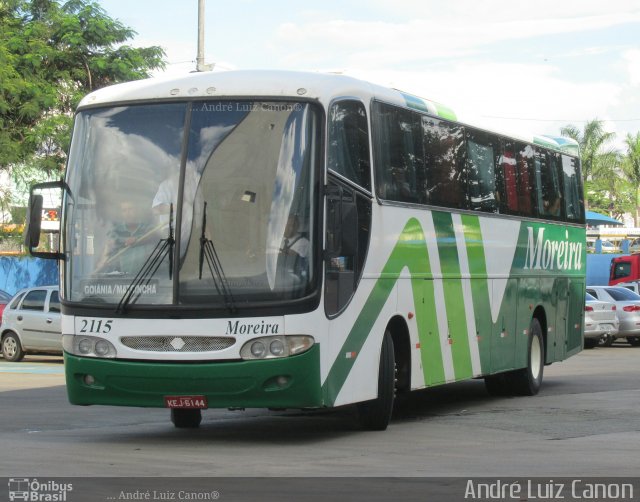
(572, 178)
(444, 146)
(524, 171)
(348, 153)
(400, 168)
(480, 171)
(507, 179)
(549, 189)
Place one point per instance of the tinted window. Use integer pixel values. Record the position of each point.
(16, 300)
(623, 295)
(524, 180)
(549, 193)
(621, 269)
(54, 302)
(480, 171)
(573, 198)
(399, 155)
(4, 297)
(349, 142)
(589, 298)
(34, 300)
(444, 159)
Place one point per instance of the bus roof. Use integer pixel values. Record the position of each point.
(277, 84)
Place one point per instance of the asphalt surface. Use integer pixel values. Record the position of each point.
(584, 422)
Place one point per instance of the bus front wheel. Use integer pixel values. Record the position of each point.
(184, 418)
(375, 415)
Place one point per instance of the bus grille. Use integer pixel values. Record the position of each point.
(177, 343)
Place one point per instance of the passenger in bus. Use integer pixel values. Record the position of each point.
(128, 240)
(552, 206)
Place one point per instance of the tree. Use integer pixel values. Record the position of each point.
(51, 55)
(599, 163)
(631, 169)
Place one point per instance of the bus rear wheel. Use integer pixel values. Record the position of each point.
(375, 415)
(184, 418)
(525, 381)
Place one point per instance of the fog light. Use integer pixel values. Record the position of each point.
(89, 380)
(282, 381)
(276, 348)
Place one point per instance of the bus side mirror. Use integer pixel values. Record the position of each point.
(42, 229)
(34, 222)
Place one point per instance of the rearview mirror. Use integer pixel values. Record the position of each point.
(42, 230)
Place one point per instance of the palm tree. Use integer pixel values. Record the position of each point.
(631, 169)
(599, 159)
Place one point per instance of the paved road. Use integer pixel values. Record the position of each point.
(585, 422)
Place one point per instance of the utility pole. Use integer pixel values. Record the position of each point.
(200, 65)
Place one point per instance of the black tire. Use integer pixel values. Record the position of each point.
(634, 341)
(527, 381)
(375, 415)
(12, 348)
(186, 418)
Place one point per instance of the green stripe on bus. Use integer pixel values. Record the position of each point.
(410, 251)
(453, 297)
(479, 288)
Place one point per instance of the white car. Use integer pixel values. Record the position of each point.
(31, 323)
(600, 322)
(628, 310)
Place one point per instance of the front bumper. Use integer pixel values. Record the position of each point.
(243, 384)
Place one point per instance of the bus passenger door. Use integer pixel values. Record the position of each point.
(557, 344)
(575, 316)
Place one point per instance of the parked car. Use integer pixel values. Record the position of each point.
(633, 286)
(627, 307)
(4, 299)
(600, 322)
(31, 324)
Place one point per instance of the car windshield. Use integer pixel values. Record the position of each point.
(207, 203)
(4, 297)
(623, 295)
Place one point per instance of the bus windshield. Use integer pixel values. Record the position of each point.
(204, 203)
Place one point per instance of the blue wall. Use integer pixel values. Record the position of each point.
(598, 266)
(23, 272)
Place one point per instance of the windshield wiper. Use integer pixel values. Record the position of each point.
(163, 248)
(208, 252)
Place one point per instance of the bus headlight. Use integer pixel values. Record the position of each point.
(88, 346)
(272, 347)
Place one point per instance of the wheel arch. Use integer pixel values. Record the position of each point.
(399, 330)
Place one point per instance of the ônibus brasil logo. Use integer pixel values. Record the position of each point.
(36, 491)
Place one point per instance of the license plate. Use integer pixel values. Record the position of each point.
(185, 402)
(606, 327)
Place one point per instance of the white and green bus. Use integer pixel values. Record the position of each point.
(300, 240)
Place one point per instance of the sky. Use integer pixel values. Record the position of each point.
(522, 67)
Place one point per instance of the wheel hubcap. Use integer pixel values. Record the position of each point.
(536, 357)
(9, 347)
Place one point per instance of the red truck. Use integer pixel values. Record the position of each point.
(624, 269)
